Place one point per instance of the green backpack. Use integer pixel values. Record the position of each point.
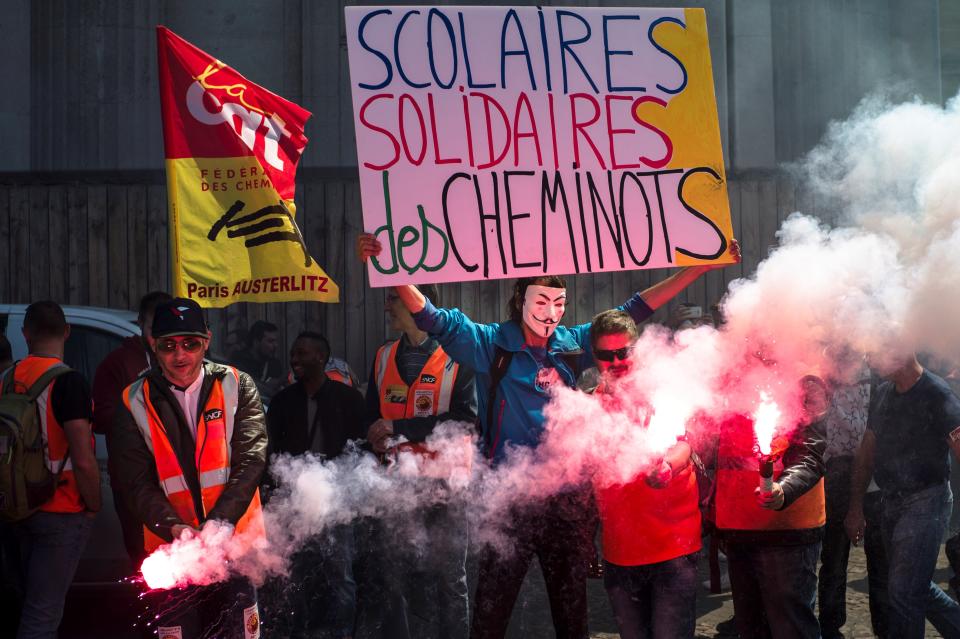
(25, 481)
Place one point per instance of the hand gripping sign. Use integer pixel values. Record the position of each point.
(232, 149)
(502, 142)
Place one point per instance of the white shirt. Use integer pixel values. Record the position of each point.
(188, 402)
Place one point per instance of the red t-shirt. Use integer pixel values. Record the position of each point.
(644, 525)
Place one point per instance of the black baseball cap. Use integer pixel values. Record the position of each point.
(179, 316)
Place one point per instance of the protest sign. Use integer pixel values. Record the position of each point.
(232, 149)
(499, 142)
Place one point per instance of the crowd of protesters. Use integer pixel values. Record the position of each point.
(189, 442)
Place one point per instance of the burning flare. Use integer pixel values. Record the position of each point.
(765, 421)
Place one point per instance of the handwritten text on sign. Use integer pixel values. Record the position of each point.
(498, 142)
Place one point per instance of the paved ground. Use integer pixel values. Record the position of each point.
(101, 615)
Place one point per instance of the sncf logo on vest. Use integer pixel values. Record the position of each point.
(212, 414)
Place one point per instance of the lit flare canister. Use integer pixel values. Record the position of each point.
(766, 474)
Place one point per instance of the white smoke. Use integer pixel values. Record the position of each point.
(882, 284)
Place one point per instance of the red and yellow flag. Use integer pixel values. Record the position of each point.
(232, 149)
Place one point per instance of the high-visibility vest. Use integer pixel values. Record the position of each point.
(214, 433)
(429, 395)
(738, 476)
(67, 498)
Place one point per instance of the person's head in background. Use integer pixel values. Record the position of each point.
(148, 304)
(264, 340)
(400, 319)
(235, 340)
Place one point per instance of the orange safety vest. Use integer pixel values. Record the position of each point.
(429, 395)
(738, 476)
(214, 433)
(67, 498)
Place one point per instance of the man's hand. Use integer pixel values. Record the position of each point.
(182, 531)
(379, 435)
(660, 476)
(367, 246)
(772, 500)
(855, 524)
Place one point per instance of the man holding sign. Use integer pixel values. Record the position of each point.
(515, 363)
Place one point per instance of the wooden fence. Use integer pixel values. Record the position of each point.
(100, 239)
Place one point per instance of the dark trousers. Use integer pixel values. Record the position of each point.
(774, 588)
(560, 535)
(655, 600)
(321, 593)
(220, 611)
(832, 586)
(877, 566)
(913, 529)
(413, 579)
(50, 549)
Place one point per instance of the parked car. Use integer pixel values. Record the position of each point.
(94, 332)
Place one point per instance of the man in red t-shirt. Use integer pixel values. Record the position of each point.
(650, 525)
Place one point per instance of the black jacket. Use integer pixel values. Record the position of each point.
(340, 417)
(136, 471)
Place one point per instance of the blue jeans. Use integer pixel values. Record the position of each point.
(655, 600)
(913, 528)
(50, 549)
(774, 588)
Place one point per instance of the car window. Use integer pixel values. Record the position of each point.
(87, 347)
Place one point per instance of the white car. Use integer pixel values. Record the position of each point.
(94, 332)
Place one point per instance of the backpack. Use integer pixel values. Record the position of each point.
(25, 481)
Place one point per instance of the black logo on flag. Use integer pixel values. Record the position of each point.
(254, 225)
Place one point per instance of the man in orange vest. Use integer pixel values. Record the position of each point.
(772, 539)
(189, 446)
(413, 387)
(53, 538)
(650, 525)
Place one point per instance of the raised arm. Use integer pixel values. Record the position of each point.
(662, 292)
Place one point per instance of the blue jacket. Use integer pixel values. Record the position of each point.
(518, 407)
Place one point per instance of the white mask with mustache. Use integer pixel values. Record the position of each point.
(543, 308)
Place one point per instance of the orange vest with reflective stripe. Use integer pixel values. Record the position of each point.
(212, 457)
(429, 395)
(67, 498)
(738, 476)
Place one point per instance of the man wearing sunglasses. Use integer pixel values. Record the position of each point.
(651, 525)
(189, 445)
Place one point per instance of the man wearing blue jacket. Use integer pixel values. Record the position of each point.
(516, 362)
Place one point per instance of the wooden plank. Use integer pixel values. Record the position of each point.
(157, 251)
(78, 269)
(786, 198)
(7, 267)
(333, 206)
(39, 265)
(750, 225)
(314, 233)
(767, 213)
(20, 245)
(137, 240)
(117, 263)
(97, 245)
(352, 289)
(59, 243)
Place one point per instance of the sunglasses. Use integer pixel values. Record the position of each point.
(189, 345)
(609, 356)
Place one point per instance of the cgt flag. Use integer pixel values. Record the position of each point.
(232, 149)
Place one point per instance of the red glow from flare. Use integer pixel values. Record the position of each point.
(765, 421)
(159, 571)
